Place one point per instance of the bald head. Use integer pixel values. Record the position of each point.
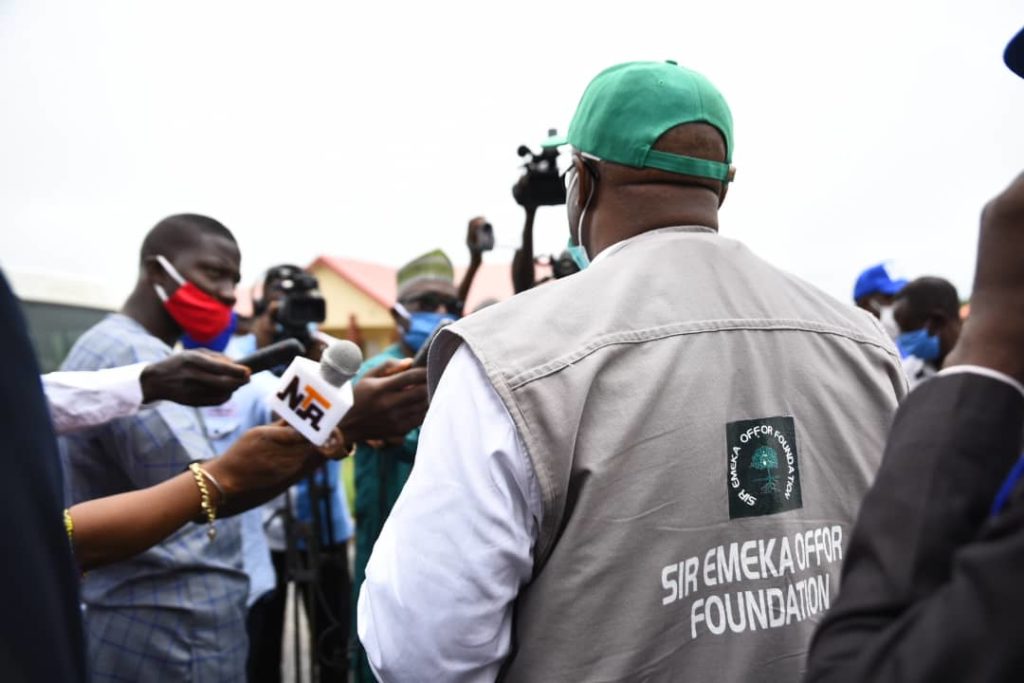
(180, 232)
(199, 248)
(625, 201)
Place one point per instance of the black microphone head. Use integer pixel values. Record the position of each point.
(277, 354)
(340, 362)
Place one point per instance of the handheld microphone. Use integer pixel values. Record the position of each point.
(313, 397)
(273, 356)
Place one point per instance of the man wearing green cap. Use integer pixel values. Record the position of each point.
(645, 471)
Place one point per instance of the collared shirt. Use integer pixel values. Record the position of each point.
(473, 506)
(176, 611)
(247, 408)
(85, 399)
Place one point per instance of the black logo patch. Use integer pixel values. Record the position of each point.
(762, 468)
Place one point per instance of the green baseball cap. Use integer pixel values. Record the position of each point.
(627, 107)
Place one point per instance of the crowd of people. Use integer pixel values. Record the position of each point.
(670, 461)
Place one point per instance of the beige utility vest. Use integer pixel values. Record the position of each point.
(703, 427)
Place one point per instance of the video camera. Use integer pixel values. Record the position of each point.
(541, 184)
(301, 304)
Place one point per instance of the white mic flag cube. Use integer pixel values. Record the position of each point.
(308, 402)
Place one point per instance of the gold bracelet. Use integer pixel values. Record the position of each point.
(69, 526)
(216, 485)
(204, 499)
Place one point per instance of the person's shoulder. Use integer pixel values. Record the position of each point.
(114, 341)
(804, 299)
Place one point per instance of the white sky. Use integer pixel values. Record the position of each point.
(864, 131)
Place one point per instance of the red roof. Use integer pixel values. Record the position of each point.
(375, 280)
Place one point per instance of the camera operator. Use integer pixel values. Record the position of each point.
(479, 238)
(540, 185)
(289, 308)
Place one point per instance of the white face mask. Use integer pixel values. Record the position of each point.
(888, 320)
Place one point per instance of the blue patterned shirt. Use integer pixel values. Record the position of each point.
(177, 611)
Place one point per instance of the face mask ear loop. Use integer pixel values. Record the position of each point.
(583, 216)
(586, 205)
(170, 270)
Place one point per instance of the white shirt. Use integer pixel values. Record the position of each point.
(81, 399)
(440, 584)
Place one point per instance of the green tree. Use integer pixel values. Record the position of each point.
(767, 460)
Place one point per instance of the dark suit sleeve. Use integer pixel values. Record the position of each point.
(40, 621)
(931, 587)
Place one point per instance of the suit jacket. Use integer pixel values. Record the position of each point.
(40, 621)
(931, 588)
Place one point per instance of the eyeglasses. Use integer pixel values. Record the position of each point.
(432, 302)
(569, 175)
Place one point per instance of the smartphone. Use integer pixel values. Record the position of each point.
(485, 237)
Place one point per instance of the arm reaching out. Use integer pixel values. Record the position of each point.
(261, 464)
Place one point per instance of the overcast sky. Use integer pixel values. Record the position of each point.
(864, 131)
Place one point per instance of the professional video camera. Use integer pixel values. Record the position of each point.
(541, 184)
(301, 303)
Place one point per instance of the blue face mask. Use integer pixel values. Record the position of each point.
(422, 325)
(578, 254)
(218, 343)
(918, 343)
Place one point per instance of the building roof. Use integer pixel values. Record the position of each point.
(375, 280)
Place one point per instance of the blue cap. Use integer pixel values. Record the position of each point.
(1014, 54)
(877, 279)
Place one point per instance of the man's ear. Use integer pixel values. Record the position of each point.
(584, 183)
(725, 186)
(151, 269)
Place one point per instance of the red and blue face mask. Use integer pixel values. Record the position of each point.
(205, 320)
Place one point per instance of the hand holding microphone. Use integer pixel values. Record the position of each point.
(192, 378)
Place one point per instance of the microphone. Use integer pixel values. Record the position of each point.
(314, 397)
(273, 356)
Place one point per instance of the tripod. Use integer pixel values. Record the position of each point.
(318, 568)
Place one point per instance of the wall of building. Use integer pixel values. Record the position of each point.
(344, 300)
